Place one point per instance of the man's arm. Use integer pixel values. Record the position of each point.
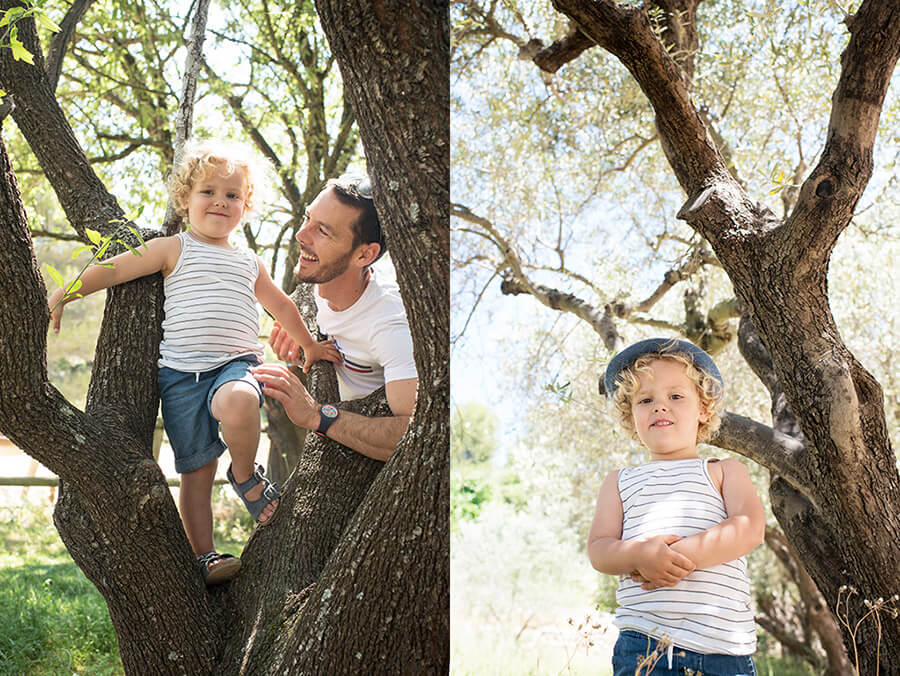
(373, 437)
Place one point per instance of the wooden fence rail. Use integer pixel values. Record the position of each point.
(54, 481)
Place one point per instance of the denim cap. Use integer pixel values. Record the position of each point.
(630, 354)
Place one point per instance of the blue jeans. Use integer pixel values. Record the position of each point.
(633, 646)
(187, 416)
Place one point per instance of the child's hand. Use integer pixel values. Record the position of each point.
(283, 345)
(660, 565)
(56, 309)
(324, 350)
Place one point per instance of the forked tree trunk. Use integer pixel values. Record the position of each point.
(353, 573)
(836, 496)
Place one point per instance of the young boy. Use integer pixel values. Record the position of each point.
(210, 338)
(677, 528)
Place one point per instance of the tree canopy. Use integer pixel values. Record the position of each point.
(687, 169)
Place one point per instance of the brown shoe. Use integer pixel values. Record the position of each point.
(218, 568)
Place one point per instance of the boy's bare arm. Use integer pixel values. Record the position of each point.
(610, 554)
(159, 255)
(285, 312)
(737, 535)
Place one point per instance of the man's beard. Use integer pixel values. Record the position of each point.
(325, 273)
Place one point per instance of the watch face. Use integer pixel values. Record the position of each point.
(329, 411)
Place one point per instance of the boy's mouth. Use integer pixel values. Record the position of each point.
(662, 423)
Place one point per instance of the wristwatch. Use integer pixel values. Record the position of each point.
(327, 415)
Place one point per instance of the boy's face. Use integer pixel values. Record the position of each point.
(666, 411)
(215, 205)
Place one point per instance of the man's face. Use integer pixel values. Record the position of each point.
(326, 239)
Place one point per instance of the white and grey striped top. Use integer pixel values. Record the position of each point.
(210, 306)
(708, 611)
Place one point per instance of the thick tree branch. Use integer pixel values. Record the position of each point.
(60, 42)
(828, 197)
(629, 33)
(561, 51)
(777, 452)
(62, 236)
(600, 321)
(818, 615)
(64, 162)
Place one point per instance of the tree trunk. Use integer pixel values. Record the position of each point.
(353, 573)
(837, 497)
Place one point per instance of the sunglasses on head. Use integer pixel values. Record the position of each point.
(359, 186)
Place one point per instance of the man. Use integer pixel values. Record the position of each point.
(340, 239)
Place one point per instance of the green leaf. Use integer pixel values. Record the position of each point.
(137, 234)
(80, 250)
(93, 235)
(41, 17)
(106, 265)
(73, 287)
(55, 274)
(10, 15)
(129, 247)
(18, 49)
(101, 252)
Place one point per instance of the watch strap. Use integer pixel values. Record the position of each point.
(327, 415)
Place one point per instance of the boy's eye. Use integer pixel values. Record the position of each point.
(677, 396)
(645, 400)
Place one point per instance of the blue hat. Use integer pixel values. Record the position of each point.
(629, 355)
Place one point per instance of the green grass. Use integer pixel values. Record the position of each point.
(53, 621)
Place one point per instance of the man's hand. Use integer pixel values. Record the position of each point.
(660, 565)
(287, 349)
(279, 383)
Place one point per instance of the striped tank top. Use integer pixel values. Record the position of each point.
(210, 306)
(708, 611)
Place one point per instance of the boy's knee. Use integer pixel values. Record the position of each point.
(235, 403)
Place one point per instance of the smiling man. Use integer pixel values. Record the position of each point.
(340, 239)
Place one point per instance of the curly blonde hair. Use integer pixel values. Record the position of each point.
(710, 392)
(202, 157)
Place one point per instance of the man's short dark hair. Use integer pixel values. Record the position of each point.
(356, 191)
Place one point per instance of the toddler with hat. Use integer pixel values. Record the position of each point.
(676, 529)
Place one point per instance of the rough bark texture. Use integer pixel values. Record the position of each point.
(839, 506)
(353, 573)
(395, 618)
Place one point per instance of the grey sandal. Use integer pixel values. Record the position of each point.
(226, 567)
(269, 493)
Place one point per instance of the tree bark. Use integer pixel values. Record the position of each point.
(353, 573)
(841, 510)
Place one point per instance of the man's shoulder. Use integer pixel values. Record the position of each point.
(382, 302)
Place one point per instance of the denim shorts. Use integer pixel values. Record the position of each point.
(633, 645)
(186, 410)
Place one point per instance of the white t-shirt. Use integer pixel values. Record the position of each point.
(373, 337)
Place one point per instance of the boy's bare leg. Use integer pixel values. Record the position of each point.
(236, 406)
(195, 501)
